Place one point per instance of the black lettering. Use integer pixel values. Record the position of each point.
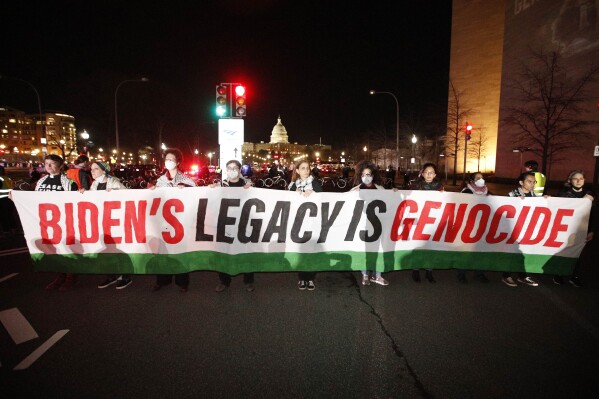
(327, 222)
(374, 221)
(281, 211)
(353, 225)
(255, 223)
(299, 218)
(201, 219)
(224, 220)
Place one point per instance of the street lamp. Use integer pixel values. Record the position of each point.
(365, 151)
(85, 136)
(116, 119)
(39, 108)
(373, 92)
(210, 158)
(414, 141)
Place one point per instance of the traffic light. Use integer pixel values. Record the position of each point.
(221, 100)
(468, 129)
(240, 101)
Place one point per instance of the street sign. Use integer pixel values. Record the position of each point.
(597, 150)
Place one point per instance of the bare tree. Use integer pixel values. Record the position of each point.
(548, 106)
(457, 111)
(477, 148)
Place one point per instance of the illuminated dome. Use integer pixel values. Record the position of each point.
(279, 133)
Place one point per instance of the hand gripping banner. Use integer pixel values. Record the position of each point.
(235, 230)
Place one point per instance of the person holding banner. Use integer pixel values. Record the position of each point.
(527, 182)
(304, 184)
(366, 177)
(477, 186)
(426, 181)
(102, 180)
(234, 179)
(56, 180)
(173, 178)
(574, 188)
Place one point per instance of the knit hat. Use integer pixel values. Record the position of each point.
(104, 166)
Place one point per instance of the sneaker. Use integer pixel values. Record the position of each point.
(558, 280)
(124, 283)
(109, 281)
(365, 279)
(69, 282)
(429, 276)
(379, 280)
(220, 288)
(56, 283)
(416, 276)
(302, 285)
(509, 281)
(575, 281)
(311, 286)
(249, 287)
(528, 281)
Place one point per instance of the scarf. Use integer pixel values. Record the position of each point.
(478, 190)
(304, 185)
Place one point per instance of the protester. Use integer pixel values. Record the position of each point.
(7, 208)
(427, 180)
(173, 178)
(574, 188)
(234, 179)
(366, 177)
(477, 186)
(55, 180)
(527, 182)
(79, 172)
(533, 166)
(104, 181)
(305, 184)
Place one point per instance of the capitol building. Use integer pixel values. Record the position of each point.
(280, 149)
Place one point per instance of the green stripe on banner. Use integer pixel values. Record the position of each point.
(122, 263)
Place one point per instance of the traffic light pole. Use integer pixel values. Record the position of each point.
(465, 155)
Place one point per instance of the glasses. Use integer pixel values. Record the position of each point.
(366, 175)
(232, 169)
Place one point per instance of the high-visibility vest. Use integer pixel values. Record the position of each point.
(540, 184)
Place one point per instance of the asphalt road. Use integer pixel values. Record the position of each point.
(343, 340)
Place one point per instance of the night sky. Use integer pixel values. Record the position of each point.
(311, 63)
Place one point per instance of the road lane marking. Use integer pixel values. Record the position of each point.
(17, 326)
(28, 361)
(14, 251)
(8, 277)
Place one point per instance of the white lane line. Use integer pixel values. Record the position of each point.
(8, 277)
(28, 361)
(14, 251)
(17, 326)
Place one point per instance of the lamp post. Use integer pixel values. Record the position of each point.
(373, 92)
(414, 141)
(116, 119)
(365, 151)
(39, 108)
(85, 136)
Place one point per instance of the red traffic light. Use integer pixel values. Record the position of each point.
(468, 127)
(240, 90)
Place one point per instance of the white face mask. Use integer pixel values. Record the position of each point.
(232, 174)
(170, 165)
(367, 180)
(480, 183)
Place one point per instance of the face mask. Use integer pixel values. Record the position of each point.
(232, 174)
(170, 165)
(367, 180)
(480, 183)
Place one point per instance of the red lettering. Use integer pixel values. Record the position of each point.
(401, 209)
(135, 222)
(68, 209)
(108, 222)
(49, 223)
(485, 212)
(83, 209)
(534, 220)
(451, 221)
(492, 236)
(558, 227)
(519, 224)
(425, 219)
(173, 221)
